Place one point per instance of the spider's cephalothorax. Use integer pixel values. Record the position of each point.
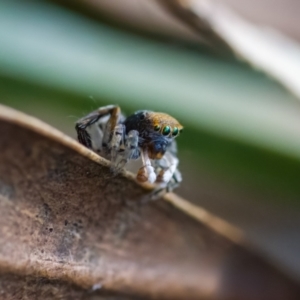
(145, 134)
(156, 131)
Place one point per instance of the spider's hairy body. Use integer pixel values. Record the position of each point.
(145, 134)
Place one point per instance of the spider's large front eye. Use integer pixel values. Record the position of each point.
(156, 127)
(175, 131)
(166, 130)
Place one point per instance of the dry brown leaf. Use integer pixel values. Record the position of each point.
(69, 230)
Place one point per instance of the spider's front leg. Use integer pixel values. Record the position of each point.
(169, 171)
(169, 177)
(146, 173)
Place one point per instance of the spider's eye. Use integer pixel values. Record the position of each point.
(166, 130)
(156, 127)
(142, 116)
(175, 131)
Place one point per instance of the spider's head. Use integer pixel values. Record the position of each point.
(156, 131)
(165, 125)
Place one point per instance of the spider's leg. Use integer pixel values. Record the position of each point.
(96, 133)
(174, 182)
(169, 177)
(167, 173)
(81, 127)
(117, 139)
(132, 145)
(146, 173)
(164, 188)
(112, 123)
(92, 118)
(132, 151)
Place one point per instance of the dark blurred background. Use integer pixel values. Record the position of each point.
(228, 71)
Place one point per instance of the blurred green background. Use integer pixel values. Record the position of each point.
(240, 150)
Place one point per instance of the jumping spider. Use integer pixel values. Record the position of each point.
(145, 134)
